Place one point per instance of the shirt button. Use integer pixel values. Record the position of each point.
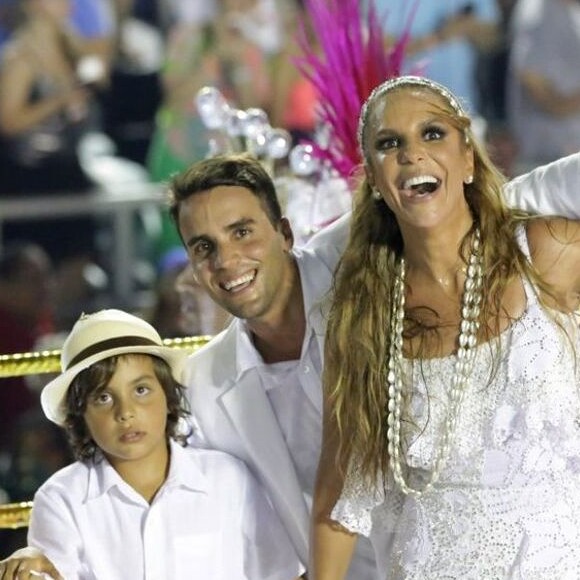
(306, 369)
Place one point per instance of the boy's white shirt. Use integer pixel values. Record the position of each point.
(209, 520)
(232, 409)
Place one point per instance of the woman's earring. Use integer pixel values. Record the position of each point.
(468, 180)
(377, 195)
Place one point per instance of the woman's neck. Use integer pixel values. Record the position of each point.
(437, 255)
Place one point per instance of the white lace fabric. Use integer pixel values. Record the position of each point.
(507, 504)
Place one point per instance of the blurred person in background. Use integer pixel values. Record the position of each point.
(205, 48)
(209, 45)
(447, 38)
(294, 97)
(45, 105)
(182, 307)
(26, 283)
(200, 315)
(544, 80)
(46, 109)
(134, 92)
(165, 314)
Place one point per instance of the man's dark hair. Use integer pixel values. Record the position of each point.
(96, 377)
(240, 170)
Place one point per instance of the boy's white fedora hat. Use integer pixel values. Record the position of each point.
(95, 337)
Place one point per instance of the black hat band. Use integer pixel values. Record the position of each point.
(111, 343)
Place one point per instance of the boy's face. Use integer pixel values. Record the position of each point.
(127, 418)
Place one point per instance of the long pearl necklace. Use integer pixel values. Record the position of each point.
(470, 309)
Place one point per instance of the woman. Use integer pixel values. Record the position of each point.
(452, 401)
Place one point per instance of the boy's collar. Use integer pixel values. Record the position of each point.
(184, 471)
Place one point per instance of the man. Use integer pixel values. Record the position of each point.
(259, 397)
(256, 387)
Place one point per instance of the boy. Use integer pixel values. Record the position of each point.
(136, 504)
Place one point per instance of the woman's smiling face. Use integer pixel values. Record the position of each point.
(417, 157)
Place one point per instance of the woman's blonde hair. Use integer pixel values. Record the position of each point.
(357, 338)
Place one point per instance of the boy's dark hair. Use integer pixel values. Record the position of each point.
(97, 376)
(240, 170)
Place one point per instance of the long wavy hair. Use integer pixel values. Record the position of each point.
(357, 338)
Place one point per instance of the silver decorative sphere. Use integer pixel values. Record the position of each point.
(212, 107)
(302, 160)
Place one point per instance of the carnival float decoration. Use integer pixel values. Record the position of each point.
(316, 177)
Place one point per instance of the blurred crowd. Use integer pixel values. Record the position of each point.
(128, 70)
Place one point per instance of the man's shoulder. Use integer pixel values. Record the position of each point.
(224, 340)
(323, 250)
(334, 234)
(214, 362)
(214, 463)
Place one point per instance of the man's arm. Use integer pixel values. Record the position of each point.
(550, 190)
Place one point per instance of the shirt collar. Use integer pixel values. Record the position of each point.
(184, 471)
(248, 356)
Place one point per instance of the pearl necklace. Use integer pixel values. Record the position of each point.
(470, 309)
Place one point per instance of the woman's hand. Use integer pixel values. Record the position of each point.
(27, 563)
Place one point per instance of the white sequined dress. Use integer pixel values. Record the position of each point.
(507, 503)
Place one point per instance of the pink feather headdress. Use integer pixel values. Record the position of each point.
(349, 62)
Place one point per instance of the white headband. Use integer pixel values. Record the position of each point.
(403, 81)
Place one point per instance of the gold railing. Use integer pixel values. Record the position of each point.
(48, 361)
(17, 515)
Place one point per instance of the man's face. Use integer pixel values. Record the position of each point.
(239, 257)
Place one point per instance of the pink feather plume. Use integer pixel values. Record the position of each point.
(349, 61)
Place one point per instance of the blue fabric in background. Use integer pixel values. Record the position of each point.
(452, 63)
(89, 18)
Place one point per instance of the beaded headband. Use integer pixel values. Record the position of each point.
(404, 81)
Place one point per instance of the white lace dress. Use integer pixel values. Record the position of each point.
(507, 504)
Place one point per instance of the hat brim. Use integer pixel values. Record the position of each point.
(52, 398)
